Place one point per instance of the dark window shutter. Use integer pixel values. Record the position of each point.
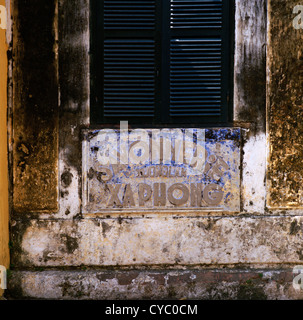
(125, 60)
(196, 14)
(199, 60)
(161, 61)
(130, 15)
(195, 77)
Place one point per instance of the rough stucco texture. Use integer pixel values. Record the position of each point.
(250, 61)
(285, 108)
(174, 284)
(35, 166)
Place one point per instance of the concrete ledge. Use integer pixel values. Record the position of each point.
(161, 241)
(160, 284)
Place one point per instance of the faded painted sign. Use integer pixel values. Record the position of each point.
(160, 170)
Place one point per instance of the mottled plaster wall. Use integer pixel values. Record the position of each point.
(35, 107)
(285, 108)
(65, 238)
(250, 98)
(73, 75)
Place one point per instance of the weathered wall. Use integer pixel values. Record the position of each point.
(250, 61)
(250, 98)
(157, 284)
(256, 238)
(4, 210)
(160, 241)
(35, 107)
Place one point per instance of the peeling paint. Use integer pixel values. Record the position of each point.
(161, 241)
(59, 222)
(180, 285)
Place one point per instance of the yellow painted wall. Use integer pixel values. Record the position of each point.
(4, 235)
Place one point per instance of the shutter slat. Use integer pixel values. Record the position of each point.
(196, 14)
(120, 15)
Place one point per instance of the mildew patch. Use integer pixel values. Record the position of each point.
(35, 107)
(161, 241)
(74, 100)
(250, 64)
(285, 108)
(212, 284)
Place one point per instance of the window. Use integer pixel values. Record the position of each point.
(161, 61)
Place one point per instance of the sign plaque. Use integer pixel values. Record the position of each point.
(154, 170)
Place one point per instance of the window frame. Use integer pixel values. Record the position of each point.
(97, 119)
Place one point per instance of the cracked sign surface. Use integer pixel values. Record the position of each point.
(161, 170)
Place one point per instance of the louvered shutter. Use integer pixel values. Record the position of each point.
(161, 61)
(198, 41)
(124, 87)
